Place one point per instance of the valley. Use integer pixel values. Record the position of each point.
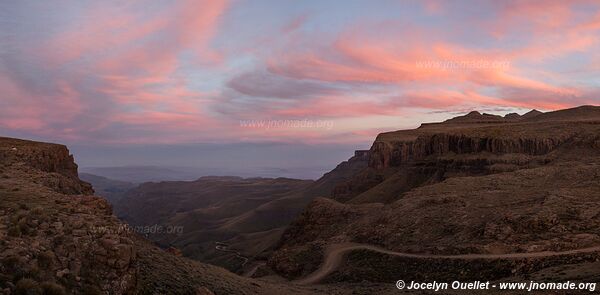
(247, 214)
(498, 198)
(57, 238)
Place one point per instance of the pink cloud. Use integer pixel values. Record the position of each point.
(23, 109)
(359, 59)
(356, 58)
(171, 70)
(124, 58)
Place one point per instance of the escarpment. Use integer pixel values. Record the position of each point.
(395, 153)
(533, 134)
(402, 160)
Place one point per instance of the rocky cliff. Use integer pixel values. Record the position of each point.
(537, 134)
(55, 236)
(395, 153)
(46, 157)
(52, 159)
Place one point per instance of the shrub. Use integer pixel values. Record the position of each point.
(15, 218)
(50, 288)
(32, 272)
(38, 211)
(28, 287)
(11, 261)
(14, 231)
(4, 279)
(24, 227)
(91, 290)
(45, 259)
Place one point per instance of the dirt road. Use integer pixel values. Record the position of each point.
(334, 255)
(220, 246)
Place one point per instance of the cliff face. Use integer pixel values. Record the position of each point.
(54, 159)
(395, 153)
(533, 134)
(46, 157)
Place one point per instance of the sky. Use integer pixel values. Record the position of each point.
(303, 78)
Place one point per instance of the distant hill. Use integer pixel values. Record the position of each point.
(140, 174)
(110, 189)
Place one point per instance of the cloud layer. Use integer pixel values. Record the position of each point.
(192, 71)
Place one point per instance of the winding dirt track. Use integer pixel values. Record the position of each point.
(334, 255)
(220, 246)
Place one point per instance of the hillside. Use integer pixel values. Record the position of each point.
(522, 185)
(204, 210)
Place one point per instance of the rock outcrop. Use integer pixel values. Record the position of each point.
(46, 157)
(53, 159)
